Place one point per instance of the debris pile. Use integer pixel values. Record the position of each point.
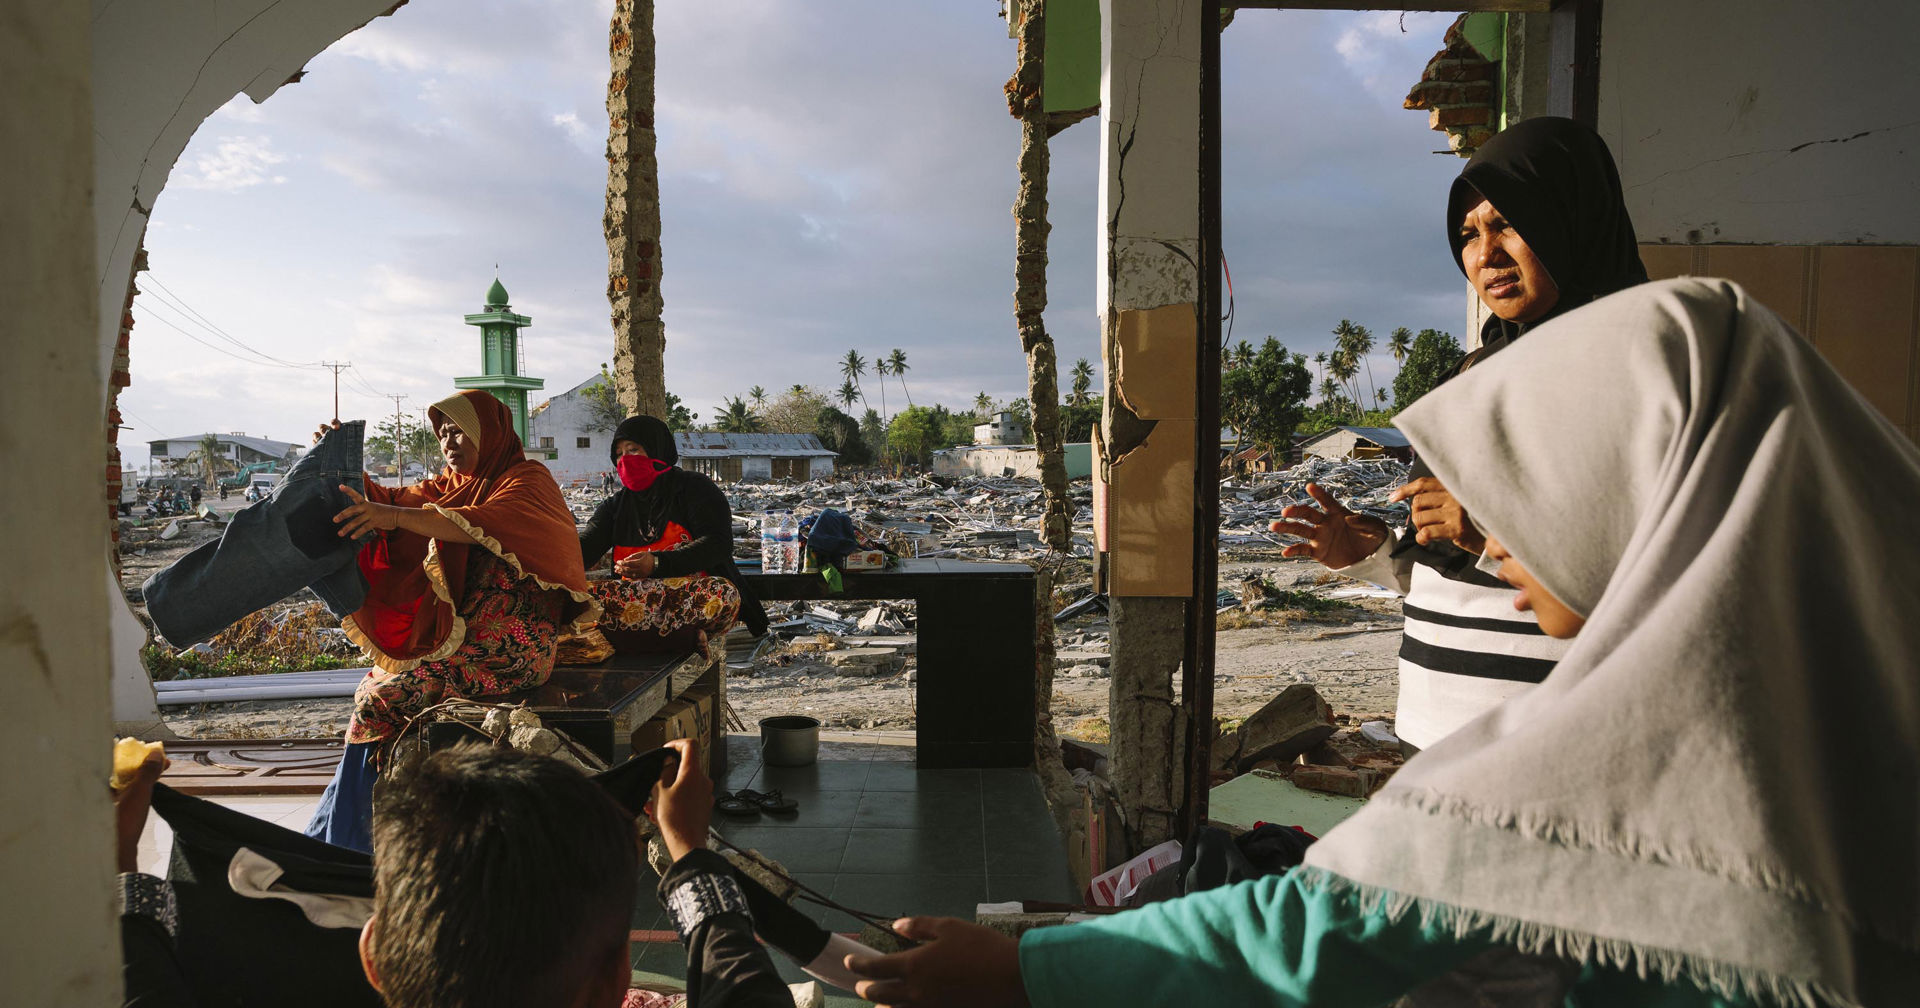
(1249, 503)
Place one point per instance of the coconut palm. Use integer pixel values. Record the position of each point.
(852, 367)
(1329, 391)
(1320, 361)
(882, 369)
(849, 393)
(759, 397)
(982, 405)
(1243, 354)
(736, 418)
(1082, 380)
(1399, 342)
(1360, 343)
(898, 359)
(1344, 369)
(210, 459)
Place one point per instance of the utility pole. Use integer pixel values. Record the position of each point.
(399, 443)
(336, 367)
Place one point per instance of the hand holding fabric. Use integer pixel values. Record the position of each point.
(130, 804)
(1334, 535)
(683, 804)
(959, 964)
(1437, 515)
(365, 517)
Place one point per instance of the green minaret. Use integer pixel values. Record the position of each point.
(500, 357)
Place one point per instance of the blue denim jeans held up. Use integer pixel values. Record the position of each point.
(270, 550)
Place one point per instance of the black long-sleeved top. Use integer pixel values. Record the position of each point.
(691, 501)
(726, 966)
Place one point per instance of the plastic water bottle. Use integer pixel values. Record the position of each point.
(770, 543)
(789, 536)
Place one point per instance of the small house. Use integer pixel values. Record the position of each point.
(731, 458)
(1358, 442)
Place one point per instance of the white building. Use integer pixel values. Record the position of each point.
(563, 433)
(235, 447)
(1003, 429)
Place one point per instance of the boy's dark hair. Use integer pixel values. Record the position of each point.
(500, 878)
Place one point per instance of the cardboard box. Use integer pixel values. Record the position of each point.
(691, 716)
(864, 560)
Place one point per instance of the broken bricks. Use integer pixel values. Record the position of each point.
(1353, 782)
(1289, 725)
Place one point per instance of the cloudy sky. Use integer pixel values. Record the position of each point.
(833, 176)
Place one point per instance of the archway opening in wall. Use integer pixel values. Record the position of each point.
(341, 230)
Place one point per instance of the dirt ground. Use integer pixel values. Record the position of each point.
(1348, 653)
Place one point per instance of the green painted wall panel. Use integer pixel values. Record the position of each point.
(1072, 55)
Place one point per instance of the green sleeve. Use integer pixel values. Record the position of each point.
(1266, 942)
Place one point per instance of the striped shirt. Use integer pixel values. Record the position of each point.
(1465, 649)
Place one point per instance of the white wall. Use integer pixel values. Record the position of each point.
(820, 468)
(59, 943)
(565, 421)
(1704, 104)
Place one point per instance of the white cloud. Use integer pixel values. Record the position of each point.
(236, 162)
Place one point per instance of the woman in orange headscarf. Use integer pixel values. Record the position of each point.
(472, 578)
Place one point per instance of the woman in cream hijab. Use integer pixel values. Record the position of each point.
(1714, 799)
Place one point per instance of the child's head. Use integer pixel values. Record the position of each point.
(1556, 618)
(500, 878)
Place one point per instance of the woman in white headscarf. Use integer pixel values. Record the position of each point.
(1713, 799)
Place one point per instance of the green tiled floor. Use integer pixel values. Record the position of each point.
(881, 836)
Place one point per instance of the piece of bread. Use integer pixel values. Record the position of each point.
(128, 755)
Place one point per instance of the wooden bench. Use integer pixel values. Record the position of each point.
(976, 626)
(599, 706)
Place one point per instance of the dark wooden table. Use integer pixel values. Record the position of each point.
(974, 688)
(599, 706)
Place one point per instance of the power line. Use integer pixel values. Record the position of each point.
(163, 320)
(166, 295)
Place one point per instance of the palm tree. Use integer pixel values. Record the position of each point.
(897, 360)
(1399, 342)
(759, 397)
(1320, 361)
(1344, 369)
(211, 459)
(882, 368)
(982, 405)
(852, 367)
(1082, 380)
(849, 393)
(1243, 354)
(736, 418)
(1361, 339)
(1329, 391)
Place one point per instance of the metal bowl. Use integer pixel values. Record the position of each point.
(789, 740)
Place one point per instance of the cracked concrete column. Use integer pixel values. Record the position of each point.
(1149, 286)
(632, 221)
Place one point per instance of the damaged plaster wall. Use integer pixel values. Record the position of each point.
(59, 941)
(158, 70)
(1149, 283)
(1763, 121)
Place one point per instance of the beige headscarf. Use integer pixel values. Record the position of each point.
(1721, 779)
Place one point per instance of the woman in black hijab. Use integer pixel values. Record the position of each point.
(1538, 225)
(670, 533)
(1552, 183)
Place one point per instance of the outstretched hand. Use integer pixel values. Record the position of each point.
(959, 964)
(1334, 535)
(1436, 515)
(364, 517)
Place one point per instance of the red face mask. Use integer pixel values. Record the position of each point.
(637, 472)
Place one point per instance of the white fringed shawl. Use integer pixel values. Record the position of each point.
(1718, 782)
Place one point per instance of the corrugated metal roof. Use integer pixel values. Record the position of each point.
(713, 444)
(1385, 437)
(265, 446)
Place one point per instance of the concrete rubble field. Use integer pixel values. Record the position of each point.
(852, 664)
